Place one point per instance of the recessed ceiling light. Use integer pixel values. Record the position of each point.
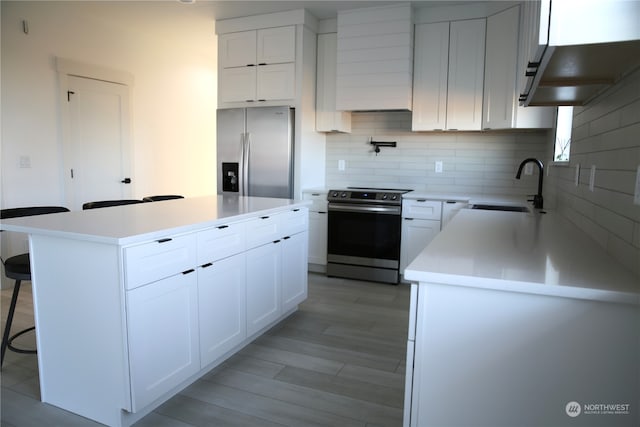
(187, 1)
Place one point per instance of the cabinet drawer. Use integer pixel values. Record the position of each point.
(294, 221)
(159, 259)
(263, 230)
(221, 242)
(318, 199)
(422, 209)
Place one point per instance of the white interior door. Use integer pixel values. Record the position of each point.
(97, 143)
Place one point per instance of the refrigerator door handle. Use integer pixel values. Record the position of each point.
(247, 153)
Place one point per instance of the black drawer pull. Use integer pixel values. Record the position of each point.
(223, 227)
(191, 270)
(322, 212)
(296, 210)
(286, 238)
(276, 241)
(408, 219)
(264, 217)
(421, 200)
(165, 240)
(209, 264)
(451, 202)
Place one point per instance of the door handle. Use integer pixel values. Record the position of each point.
(126, 181)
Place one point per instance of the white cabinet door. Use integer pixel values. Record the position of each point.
(237, 49)
(264, 275)
(237, 85)
(222, 310)
(274, 82)
(328, 119)
(431, 64)
(318, 229)
(466, 74)
(416, 235)
(276, 45)
(163, 336)
(450, 209)
(294, 270)
(501, 60)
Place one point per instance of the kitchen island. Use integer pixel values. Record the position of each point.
(133, 303)
(521, 319)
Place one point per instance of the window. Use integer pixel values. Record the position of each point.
(563, 134)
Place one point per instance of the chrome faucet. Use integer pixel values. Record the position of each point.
(537, 199)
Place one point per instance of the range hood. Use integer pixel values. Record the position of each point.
(581, 49)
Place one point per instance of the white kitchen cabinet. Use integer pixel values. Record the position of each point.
(448, 75)
(221, 306)
(449, 209)
(264, 276)
(162, 319)
(328, 119)
(257, 65)
(421, 221)
(416, 235)
(294, 270)
(318, 229)
(502, 79)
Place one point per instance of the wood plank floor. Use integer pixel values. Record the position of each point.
(338, 361)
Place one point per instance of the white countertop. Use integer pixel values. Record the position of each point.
(147, 221)
(523, 252)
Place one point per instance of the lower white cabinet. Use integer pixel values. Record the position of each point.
(221, 306)
(416, 235)
(264, 274)
(294, 271)
(163, 336)
(318, 229)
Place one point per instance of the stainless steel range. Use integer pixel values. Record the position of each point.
(364, 233)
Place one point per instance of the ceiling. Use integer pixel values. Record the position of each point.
(321, 9)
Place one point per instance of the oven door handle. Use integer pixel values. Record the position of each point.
(346, 207)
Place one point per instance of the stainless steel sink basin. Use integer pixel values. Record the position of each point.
(501, 208)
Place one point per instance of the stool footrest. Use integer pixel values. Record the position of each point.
(20, 350)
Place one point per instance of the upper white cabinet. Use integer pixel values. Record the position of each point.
(449, 75)
(500, 104)
(328, 119)
(257, 65)
(375, 57)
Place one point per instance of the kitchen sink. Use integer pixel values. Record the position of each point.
(501, 208)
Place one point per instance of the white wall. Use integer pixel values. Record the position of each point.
(169, 48)
(606, 133)
(474, 163)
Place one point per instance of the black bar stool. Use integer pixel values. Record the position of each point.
(161, 197)
(108, 203)
(18, 268)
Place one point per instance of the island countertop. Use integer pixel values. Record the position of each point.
(523, 252)
(136, 223)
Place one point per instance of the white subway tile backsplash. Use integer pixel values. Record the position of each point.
(606, 133)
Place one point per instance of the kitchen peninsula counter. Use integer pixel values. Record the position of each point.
(520, 318)
(133, 303)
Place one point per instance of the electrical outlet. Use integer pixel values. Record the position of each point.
(439, 166)
(25, 162)
(577, 177)
(592, 177)
(528, 169)
(636, 197)
(341, 165)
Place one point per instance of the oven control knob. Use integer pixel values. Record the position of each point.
(334, 194)
(384, 197)
(343, 195)
(394, 197)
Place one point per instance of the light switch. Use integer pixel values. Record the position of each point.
(341, 165)
(439, 166)
(592, 177)
(528, 169)
(577, 177)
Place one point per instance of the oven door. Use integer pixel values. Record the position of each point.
(362, 234)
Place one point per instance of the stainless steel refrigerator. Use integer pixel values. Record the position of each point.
(255, 151)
